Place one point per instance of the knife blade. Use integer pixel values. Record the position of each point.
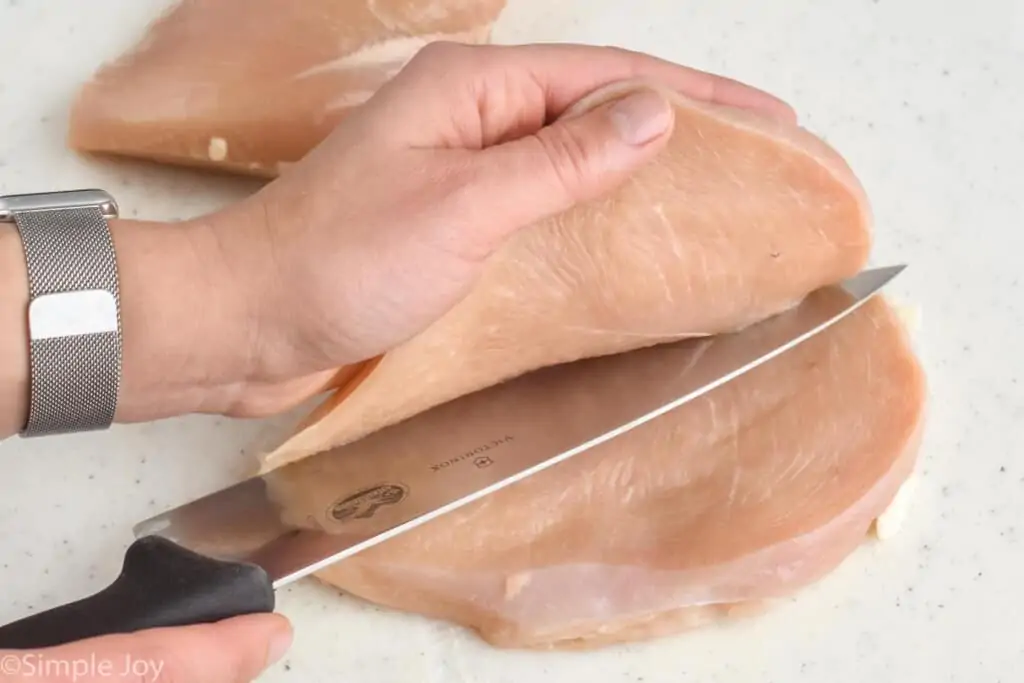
(225, 554)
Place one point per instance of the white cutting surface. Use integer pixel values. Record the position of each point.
(926, 100)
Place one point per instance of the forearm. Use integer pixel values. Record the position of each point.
(181, 325)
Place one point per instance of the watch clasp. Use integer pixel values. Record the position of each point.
(68, 199)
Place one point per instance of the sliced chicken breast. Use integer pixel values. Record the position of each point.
(738, 219)
(747, 494)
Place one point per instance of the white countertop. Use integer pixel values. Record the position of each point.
(926, 104)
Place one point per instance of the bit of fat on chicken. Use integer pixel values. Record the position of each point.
(889, 523)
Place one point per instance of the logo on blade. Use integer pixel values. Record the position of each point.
(475, 454)
(365, 503)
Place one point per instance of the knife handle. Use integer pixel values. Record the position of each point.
(161, 584)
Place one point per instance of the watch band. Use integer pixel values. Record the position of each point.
(74, 309)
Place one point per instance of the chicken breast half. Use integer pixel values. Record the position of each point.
(742, 496)
(249, 86)
(738, 219)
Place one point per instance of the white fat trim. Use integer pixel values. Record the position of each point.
(436, 10)
(217, 150)
(888, 523)
(392, 52)
(349, 99)
(909, 315)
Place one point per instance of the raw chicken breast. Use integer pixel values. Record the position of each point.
(744, 495)
(748, 494)
(249, 85)
(738, 219)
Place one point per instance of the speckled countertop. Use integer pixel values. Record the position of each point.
(924, 98)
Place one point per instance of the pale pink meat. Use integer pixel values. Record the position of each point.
(748, 494)
(738, 219)
(745, 495)
(249, 86)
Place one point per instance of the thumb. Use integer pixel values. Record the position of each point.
(231, 651)
(576, 158)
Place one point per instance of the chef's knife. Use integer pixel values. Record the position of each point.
(225, 554)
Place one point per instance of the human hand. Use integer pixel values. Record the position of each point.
(232, 651)
(386, 225)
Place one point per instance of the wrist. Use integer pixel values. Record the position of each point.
(183, 318)
(184, 323)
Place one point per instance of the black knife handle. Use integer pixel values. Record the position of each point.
(161, 584)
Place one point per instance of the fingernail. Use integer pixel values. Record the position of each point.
(279, 644)
(641, 117)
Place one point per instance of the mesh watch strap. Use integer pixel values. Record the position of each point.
(75, 379)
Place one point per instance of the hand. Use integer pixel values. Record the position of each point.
(385, 226)
(377, 232)
(232, 651)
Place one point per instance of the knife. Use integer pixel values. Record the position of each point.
(226, 554)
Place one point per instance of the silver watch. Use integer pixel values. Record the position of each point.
(74, 312)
